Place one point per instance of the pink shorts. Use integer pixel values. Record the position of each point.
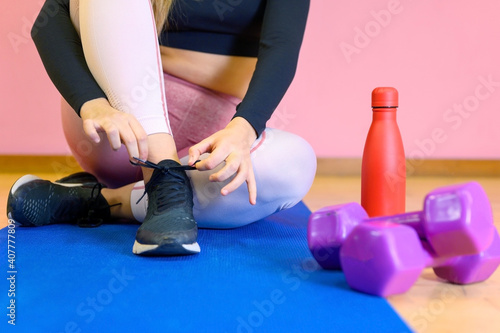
(194, 114)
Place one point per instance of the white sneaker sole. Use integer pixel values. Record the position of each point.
(21, 181)
(165, 249)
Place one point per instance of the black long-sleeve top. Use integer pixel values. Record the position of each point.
(271, 30)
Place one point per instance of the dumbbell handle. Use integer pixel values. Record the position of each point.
(431, 259)
(411, 219)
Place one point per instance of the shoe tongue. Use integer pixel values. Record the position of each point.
(172, 187)
(173, 167)
(169, 163)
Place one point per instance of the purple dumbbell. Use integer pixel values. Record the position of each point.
(384, 258)
(456, 220)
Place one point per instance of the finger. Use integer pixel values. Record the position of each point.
(245, 173)
(141, 137)
(252, 186)
(113, 135)
(130, 142)
(216, 157)
(236, 182)
(195, 151)
(233, 165)
(91, 131)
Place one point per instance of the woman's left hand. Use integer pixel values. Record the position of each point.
(232, 145)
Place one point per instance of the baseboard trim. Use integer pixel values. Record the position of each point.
(58, 164)
(63, 165)
(416, 168)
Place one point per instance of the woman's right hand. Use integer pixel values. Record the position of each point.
(120, 127)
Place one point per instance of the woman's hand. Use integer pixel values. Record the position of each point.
(232, 145)
(99, 116)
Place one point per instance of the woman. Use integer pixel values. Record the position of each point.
(205, 85)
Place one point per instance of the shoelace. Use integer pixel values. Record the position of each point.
(93, 218)
(171, 194)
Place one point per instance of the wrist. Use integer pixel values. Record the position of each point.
(243, 125)
(91, 104)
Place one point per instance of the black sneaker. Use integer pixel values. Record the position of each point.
(169, 227)
(36, 202)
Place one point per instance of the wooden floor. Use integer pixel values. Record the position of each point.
(430, 305)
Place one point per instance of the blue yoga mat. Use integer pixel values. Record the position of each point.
(258, 278)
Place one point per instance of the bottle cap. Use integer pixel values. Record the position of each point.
(385, 97)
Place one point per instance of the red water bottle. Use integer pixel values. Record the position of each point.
(383, 171)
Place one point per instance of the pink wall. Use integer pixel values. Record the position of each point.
(439, 55)
(30, 120)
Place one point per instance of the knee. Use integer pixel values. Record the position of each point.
(300, 170)
(290, 168)
(111, 167)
